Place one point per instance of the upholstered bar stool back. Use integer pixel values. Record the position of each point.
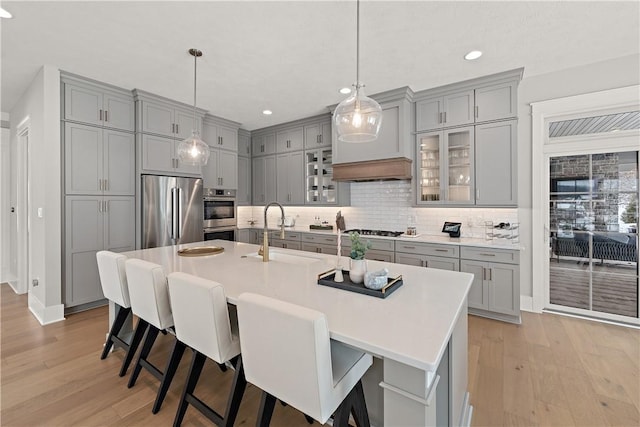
(287, 353)
(202, 322)
(149, 296)
(113, 278)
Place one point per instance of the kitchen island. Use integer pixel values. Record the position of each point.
(418, 334)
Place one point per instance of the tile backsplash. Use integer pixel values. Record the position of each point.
(386, 205)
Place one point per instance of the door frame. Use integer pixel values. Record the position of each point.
(23, 202)
(544, 112)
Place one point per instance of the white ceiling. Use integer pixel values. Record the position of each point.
(292, 57)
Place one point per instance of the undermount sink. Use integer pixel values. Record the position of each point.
(286, 258)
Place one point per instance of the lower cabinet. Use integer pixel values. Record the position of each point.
(93, 224)
(442, 257)
(249, 235)
(495, 291)
(320, 248)
(291, 240)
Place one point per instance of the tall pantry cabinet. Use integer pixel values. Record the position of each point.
(98, 123)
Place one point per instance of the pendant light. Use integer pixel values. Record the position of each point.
(358, 118)
(193, 150)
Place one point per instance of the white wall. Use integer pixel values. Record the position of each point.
(40, 105)
(5, 199)
(619, 72)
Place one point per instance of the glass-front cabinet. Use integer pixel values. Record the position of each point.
(320, 187)
(445, 167)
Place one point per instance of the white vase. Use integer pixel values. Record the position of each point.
(357, 269)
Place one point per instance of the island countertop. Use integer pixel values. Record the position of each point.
(412, 325)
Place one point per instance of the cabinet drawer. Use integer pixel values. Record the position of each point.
(451, 251)
(376, 244)
(288, 235)
(319, 248)
(285, 244)
(383, 256)
(319, 238)
(492, 255)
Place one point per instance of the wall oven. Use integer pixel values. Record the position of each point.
(221, 233)
(219, 208)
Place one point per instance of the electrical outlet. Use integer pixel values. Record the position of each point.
(35, 282)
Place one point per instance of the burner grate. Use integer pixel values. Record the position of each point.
(384, 233)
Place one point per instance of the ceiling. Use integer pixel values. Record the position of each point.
(293, 57)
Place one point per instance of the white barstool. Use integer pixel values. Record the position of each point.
(201, 320)
(150, 302)
(115, 288)
(287, 352)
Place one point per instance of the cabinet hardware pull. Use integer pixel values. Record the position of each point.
(483, 254)
(106, 206)
(100, 115)
(490, 274)
(320, 138)
(409, 247)
(477, 109)
(173, 128)
(439, 117)
(442, 250)
(106, 116)
(106, 184)
(422, 263)
(445, 117)
(484, 273)
(99, 205)
(477, 193)
(100, 184)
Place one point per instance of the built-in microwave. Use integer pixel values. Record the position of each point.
(219, 208)
(220, 233)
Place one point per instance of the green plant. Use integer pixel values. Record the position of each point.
(629, 215)
(358, 247)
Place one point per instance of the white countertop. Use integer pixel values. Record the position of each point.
(412, 325)
(422, 238)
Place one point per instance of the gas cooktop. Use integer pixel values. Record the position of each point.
(363, 232)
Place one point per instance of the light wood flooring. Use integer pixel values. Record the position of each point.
(551, 370)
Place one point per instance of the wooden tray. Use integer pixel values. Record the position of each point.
(325, 279)
(320, 227)
(201, 251)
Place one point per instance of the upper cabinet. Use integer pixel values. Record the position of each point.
(160, 116)
(289, 140)
(496, 160)
(394, 139)
(98, 105)
(476, 101)
(221, 171)
(317, 135)
(159, 155)
(244, 143)
(220, 134)
(263, 144)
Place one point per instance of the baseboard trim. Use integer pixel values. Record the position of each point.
(526, 303)
(45, 314)
(14, 286)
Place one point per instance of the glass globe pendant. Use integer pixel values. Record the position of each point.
(358, 118)
(193, 150)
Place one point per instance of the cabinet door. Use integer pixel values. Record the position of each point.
(383, 256)
(158, 119)
(182, 168)
(119, 163)
(443, 263)
(430, 164)
(325, 136)
(242, 236)
(83, 159)
(228, 138)
(289, 140)
(157, 154)
(210, 173)
(84, 236)
(119, 112)
(496, 164)
(244, 145)
(458, 108)
(496, 102)
(243, 196)
(479, 292)
(282, 179)
(185, 126)
(270, 178)
(428, 115)
(228, 169)
(409, 259)
(504, 289)
(210, 135)
(258, 178)
(296, 178)
(119, 227)
(458, 174)
(82, 104)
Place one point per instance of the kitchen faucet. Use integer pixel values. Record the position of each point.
(264, 250)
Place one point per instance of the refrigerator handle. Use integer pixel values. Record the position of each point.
(174, 213)
(179, 214)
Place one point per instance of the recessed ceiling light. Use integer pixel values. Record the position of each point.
(474, 54)
(267, 112)
(5, 14)
(345, 90)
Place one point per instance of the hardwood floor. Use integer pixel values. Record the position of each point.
(549, 371)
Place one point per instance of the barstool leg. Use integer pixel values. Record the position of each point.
(115, 329)
(152, 333)
(359, 406)
(267, 403)
(197, 363)
(135, 342)
(238, 387)
(169, 372)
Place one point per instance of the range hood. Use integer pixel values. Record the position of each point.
(373, 170)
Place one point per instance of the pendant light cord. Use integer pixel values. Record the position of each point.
(195, 77)
(357, 44)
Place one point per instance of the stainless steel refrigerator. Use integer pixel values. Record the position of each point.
(172, 210)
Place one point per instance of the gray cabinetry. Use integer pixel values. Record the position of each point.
(496, 101)
(159, 155)
(263, 176)
(244, 143)
(263, 144)
(453, 109)
(320, 243)
(218, 135)
(248, 235)
(98, 161)
(290, 178)
(96, 105)
(292, 240)
(243, 196)
(443, 257)
(165, 118)
(317, 135)
(289, 140)
(495, 291)
(496, 161)
(221, 171)
(93, 223)
(381, 249)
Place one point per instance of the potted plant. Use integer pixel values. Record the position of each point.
(358, 264)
